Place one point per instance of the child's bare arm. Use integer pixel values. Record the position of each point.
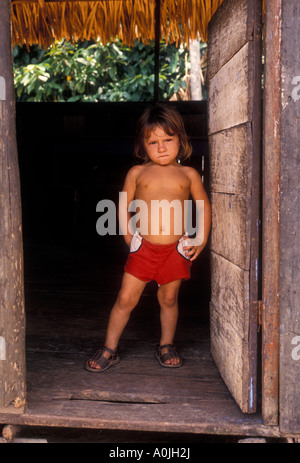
(198, 193)
(129, 188)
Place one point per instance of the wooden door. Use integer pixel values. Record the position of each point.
(234, 105)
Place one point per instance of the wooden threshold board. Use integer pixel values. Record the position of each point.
(136, 394)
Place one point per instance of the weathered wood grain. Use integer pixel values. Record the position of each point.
(289, 257)
(12, 317)
(234, 135)
(270, 212)
(225, 25)
(229, 292)
(229, 93)
(203, 417)
(229, 161)
(137, 378)
(229, 235)
(230, 353)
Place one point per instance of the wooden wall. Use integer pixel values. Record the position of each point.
(289, 281)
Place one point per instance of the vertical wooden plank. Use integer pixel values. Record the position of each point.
(254, 192)
(289, 254)
(230, 86)
(270, 228)
(230, 23)
(12, 318)
(230, 149)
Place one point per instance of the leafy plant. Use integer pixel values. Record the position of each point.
(89, 71)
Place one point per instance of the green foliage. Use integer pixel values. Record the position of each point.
(89, 71)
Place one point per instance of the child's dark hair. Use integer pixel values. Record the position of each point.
(170, 121)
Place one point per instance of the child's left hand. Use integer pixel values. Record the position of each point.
(193, 250)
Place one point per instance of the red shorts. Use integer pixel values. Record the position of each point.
(160, 262)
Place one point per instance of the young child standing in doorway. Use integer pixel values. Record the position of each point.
(161, 251)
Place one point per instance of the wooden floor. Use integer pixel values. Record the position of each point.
(69, 294)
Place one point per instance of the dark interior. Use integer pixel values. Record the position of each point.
(72, 156)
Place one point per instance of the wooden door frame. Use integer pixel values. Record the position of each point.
(12, 310)
(289, 213)
(272, 233)
(270, 212)
(281, 218)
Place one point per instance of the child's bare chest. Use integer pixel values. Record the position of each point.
(163, 184)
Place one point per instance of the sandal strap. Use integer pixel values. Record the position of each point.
(108, 349)
(99, 358)
(167, 346)
(171, 353)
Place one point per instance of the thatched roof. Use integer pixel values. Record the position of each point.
(42, 21)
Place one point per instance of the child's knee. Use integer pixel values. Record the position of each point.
(167, 299)
(127, 300)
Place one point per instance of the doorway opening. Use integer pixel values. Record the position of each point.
(72, 275)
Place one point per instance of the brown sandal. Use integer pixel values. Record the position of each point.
(170, 354)
(102, 361)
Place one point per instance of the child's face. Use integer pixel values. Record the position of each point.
(161, 147)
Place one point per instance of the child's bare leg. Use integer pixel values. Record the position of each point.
(168, 300)
(128, 297)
